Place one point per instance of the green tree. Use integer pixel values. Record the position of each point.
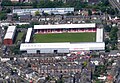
(45, 14)
(113, 37)
(34, 23)
(116, 10)
(37, 13)
(6, 3)
(23, 26)
(111, 11)
(60, 81)
(3, 16)
(107, 28)
(105, 2)
(15, 17)
(34, 4)
(107, 49)
(107, 41)
(89, 12)
(8, 10)
(15, 49)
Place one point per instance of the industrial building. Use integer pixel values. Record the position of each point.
(60, 47)
(43, 10)
(9, 36)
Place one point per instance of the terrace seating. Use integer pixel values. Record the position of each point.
(45, 31)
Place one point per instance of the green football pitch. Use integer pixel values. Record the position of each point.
(64, 37)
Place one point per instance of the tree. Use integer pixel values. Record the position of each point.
(5, 27)
(111, 11)
(15, 17)
(45, 14)
(68, 14)
(116, 10)
(8, 10)
(89, 12)
(23, 26)
(34, 23)
(52, 14)
(34, 4)
(60, 81)
(113, 32)
(6, 3)
(37, 13)
(107, 28)
(107, 41)
(15, 49)
(107, 49)
(113, 38)
(103, 9)
(3, 16)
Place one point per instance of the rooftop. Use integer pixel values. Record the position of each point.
(29, 31)
(67, 45)
(10, 32)
(60, 26)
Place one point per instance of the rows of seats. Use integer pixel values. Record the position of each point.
(42, 31)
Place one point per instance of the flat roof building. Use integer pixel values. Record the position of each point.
(9, 36)
(29, 32)
(65, 26)
(44, 10)
(99, 35)
(60, 47)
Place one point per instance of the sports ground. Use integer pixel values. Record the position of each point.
(64, 37)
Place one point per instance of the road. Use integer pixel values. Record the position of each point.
(115, 4)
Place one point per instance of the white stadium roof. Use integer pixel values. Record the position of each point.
(27, 46)
(46, 10)
(87, 46)
(70, 46)
(29, 31)
(60, 26)
(99, 35)
(10, 32)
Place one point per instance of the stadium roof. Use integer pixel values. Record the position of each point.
(99, 35)
(43, 9)
(29, 31)
(87, 46)
(60, 26)
(70, 46)
(10, 32)
(27, 46)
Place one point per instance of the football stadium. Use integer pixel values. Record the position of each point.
(63, 38)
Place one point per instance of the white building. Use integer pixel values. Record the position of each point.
(44, 10)
(9, 36)
(65, 26)
(99, 35)
(29, 32)
(60, 47)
